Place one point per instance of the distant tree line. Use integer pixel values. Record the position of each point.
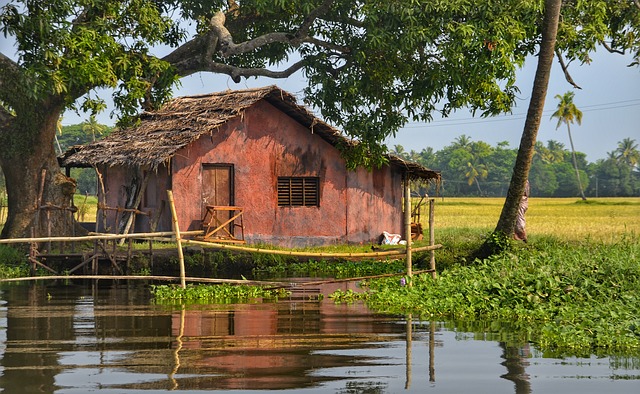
(475, 168)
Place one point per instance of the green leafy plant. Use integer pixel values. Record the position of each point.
(221, 294)
(568, 298)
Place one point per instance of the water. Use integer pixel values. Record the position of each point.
(82, 338)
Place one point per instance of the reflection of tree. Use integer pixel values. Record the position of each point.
(28, 364)
(515, 360)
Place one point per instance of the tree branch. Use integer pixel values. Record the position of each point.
(196, 55)
(236, 73)
(611, 50)
(565, 70)
(327, 45)
(190, 57)
(349, 21)
(303, 30)
(229, 48)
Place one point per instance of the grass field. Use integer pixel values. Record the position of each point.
(599, 219)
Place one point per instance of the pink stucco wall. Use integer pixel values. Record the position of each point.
(355, 206)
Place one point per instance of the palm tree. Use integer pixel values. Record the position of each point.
(628, 152)
(92, 126)
(567, 113)
(463, 141)
(476, 171)
(556, 150)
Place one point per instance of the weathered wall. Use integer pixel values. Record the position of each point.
(374, 203)
(262, 145)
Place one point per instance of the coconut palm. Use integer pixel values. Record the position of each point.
(463, 141)
(476, 172)
(93, 127)
(567, 113)
(628, 153)
(556, 151)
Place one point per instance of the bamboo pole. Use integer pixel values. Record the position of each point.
(408, 353)
(407, 224)
(157, 236)
(176, 229)
(303, 254)
(145, 277)
(96, 236)
(432, 238)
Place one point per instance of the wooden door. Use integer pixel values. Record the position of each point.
(217, 188)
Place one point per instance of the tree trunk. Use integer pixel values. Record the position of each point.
(575, 163)
(478, 185)
(507, 221)
(27, 154)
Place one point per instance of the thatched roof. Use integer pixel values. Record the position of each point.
(161, 134)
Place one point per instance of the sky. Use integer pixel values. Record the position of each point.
(609, 100)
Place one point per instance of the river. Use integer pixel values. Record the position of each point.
(111, 337)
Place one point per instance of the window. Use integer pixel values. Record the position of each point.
(298, 191)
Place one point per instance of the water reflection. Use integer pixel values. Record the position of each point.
(76, 338)
(516, 362)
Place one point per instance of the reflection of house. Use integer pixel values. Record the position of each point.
(276, 346)
(256, 149)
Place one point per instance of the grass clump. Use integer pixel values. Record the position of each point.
(218, 294)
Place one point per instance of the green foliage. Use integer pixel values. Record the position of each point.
(68, 55)
(13, 263)
(567, 298)
(205, 294)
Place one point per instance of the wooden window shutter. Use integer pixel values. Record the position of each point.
(298, 191)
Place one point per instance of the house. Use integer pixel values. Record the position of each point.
(256, 150)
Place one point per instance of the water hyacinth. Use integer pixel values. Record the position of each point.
(222, 293)
(565, 297)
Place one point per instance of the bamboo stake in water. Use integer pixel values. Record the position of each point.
(432, 238)
(176, 230)
(407, 224)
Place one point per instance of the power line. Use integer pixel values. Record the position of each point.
(521, 116)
